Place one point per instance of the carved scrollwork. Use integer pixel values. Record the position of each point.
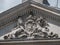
(33, 28)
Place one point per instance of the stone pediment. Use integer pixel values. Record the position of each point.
(10, 16)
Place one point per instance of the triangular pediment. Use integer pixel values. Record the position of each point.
(10, 16)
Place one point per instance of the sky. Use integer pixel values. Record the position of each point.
(54, 3)
(7, 4)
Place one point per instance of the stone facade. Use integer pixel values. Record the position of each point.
(11, 15)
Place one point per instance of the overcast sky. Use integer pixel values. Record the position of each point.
(54, 2)
(7, 4)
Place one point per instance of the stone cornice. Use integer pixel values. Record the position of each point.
(34, 42)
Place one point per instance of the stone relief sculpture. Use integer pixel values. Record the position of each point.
(33, 28)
